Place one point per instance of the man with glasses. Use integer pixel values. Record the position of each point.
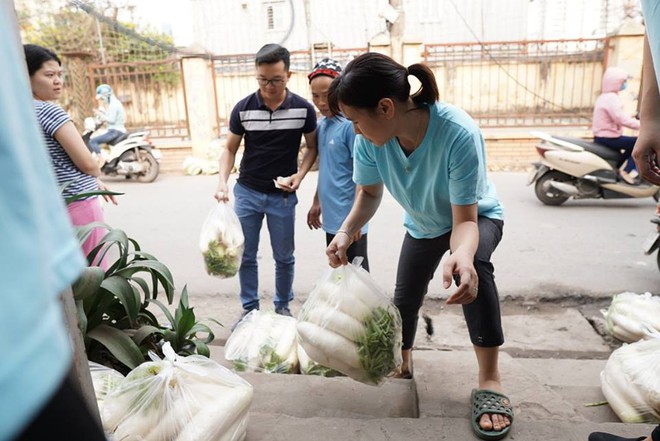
(272, 120)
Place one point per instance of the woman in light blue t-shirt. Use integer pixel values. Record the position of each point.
(431, 157)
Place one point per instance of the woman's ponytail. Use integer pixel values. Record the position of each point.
(428, 93)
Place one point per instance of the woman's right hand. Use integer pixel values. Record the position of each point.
(314, 217)
(107, 197)
(222, 192)
(336, 251)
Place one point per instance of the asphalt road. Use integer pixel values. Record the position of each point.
(589, 248)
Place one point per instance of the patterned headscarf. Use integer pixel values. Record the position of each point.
(327, 67)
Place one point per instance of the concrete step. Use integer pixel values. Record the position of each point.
(274, 427)
(550, 367)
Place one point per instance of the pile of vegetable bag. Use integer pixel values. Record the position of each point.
(222, 241)
(178, 399)
(264, 342)
(631, 381)
(629, 312)
(104, 380)
(348, 325)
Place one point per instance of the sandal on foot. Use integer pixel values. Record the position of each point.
(602, 436)
(486, 401)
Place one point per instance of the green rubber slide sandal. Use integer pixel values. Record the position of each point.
(488, 401)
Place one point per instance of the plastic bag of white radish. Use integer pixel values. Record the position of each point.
(179, 398)
(629, 312)
(264, 342)
(631, 380)
(349, 325)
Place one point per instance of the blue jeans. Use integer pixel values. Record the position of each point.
(109, 136)
(625, 143)
(280, 211)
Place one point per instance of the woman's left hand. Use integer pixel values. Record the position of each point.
(463, 266)
(107, 197)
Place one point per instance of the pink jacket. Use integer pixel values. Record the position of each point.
(609, 117)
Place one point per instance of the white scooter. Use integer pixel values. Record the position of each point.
(574, 168)
(131, 155)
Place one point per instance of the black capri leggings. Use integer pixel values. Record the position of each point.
(64, 417)
(356, 249)
(418, 261)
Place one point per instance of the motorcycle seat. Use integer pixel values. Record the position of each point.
(606, 153)
(119, 139)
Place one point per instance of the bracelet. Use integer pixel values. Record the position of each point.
(346, 233)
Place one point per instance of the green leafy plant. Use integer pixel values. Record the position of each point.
(118, 328)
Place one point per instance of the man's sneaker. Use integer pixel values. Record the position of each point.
(283, 310)
(243, 314)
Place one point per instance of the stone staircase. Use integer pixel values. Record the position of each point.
(550, 367)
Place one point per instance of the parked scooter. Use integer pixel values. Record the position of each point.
(131, 155)
(574, 168)
(652, 242)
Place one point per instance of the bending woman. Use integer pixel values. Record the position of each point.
(431, 158)
(72, 161)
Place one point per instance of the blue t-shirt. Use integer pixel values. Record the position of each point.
(272, 138)
(39, 256)
(336, 188)
(651, 9)
(448, 168)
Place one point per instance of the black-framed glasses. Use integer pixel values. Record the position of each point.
(275, 81)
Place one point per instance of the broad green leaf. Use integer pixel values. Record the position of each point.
(119, 344)
(88, 283)
(202, 328)
(144, 286)
(82, 318)
(202, 349)
(120, 288)
(88, 194)
(144, 332)
(163, 308)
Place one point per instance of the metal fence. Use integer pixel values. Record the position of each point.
(234, 75)
(521, 83)
(152, 93)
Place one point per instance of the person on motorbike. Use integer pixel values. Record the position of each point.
(609, 119)
(113, 115)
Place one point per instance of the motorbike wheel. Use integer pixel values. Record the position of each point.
(150, 164)
(544, 191)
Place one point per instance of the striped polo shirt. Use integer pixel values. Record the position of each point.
(51, 117)
(272, 138)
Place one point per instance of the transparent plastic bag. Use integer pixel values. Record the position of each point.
(221, 241)
(631, 380)
(310, 367)
(348, 325)
(179, 398)
(104, 380)
(629, 312)
(264, 342)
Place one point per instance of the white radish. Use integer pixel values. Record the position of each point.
(336, 321)
(620, 406)
(341, 348)
(214, 420)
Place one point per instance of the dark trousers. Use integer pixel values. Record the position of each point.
(64, 417)
(356, 249)
(419, 260)
(625, 143)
